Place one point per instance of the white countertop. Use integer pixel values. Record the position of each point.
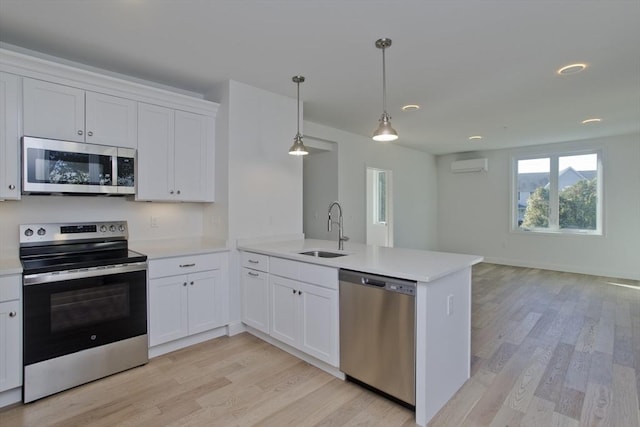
(10, 266)
(165, 248)
(410, 264)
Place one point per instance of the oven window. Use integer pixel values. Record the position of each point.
(85, 307)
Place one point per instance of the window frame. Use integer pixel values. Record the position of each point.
(554, 192)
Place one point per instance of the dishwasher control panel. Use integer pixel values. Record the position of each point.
(390, 284)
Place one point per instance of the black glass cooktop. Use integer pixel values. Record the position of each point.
(44, 259)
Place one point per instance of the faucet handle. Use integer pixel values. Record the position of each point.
(344, 238)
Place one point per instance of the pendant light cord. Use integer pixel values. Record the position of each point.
(298, 133)
(384, 84)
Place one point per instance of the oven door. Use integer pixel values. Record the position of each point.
(67, 312)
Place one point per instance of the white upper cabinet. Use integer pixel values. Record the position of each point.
(9, 137)
(175, 155)
(63, 112)
(111, 120)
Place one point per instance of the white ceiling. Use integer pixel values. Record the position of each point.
(476, 67)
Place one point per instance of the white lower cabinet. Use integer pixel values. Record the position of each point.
(10, 332)
(186, 304)
(255, 299)
(305, 316)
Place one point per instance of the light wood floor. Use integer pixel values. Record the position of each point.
(549, 349)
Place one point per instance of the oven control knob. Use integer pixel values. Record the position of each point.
(103, 228)
(121, 228)
(41, 231)
(28, 232)
(112, 228)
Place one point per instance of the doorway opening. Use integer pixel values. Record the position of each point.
(379, 207)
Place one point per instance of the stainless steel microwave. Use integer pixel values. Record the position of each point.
(53, 166)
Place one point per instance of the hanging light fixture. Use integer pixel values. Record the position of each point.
(384, 132)
(298, 148)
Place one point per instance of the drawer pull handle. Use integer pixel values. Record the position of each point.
(251, 273)
(187, 265)
(253, 261)
(13, 314)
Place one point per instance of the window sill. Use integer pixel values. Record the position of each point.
(541, 232)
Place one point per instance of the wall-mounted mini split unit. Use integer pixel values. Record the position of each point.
(471, 165)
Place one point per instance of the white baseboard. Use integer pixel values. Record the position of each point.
(332, 370)
(235, 328)
(9, 397)
(186, 342)
(566, 268)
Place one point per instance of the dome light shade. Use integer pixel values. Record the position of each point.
(298, 148)
(385, 132)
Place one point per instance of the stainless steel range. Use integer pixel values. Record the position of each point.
(85, 304)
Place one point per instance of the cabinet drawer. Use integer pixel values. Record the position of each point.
(10, 287)
(305, 272)
(184, 264)
(255, 261)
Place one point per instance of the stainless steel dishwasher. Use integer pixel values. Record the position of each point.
(377, 333)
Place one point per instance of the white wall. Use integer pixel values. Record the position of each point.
(414, 187)
(175, 220)
(474, 214)
(320, 176)
(258, 184)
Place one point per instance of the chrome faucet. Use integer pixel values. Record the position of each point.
(341, 237)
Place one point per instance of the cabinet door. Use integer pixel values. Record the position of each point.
(255, 299)
(206, 298)
(10, 345)
(319, 323)
(285, 304)
(168, 309)
(155, 153)
(111, 120)
(9, 137)
(53, 111)
(192, 158)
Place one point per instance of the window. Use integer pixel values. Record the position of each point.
(558, 193)
(380, 197)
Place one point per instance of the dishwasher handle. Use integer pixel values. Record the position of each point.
(373, 282)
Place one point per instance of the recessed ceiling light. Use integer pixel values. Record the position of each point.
(571, 69)
(410, 107)
(587, 121)
(475, 137)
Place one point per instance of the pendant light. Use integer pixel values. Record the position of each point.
(298, 148)
(384, 132)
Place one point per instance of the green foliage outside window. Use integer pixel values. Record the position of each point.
(578, 207)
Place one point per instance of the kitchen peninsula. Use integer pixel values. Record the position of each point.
(442, 311)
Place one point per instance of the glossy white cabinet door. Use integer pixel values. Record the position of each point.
(305, 316)
(319, 322)
(168, 309)
(192, 157)
(255, 299)
(10, 344)
(53, 111)
(206, 301)
(285, 307)
(155, 152)
(9, 137)
(111, 120)
(175, 155)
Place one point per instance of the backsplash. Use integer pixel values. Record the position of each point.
(147, 221)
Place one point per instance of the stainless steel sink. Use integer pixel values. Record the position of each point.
(322, 254)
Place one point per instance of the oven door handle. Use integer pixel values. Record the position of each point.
(81, 273)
